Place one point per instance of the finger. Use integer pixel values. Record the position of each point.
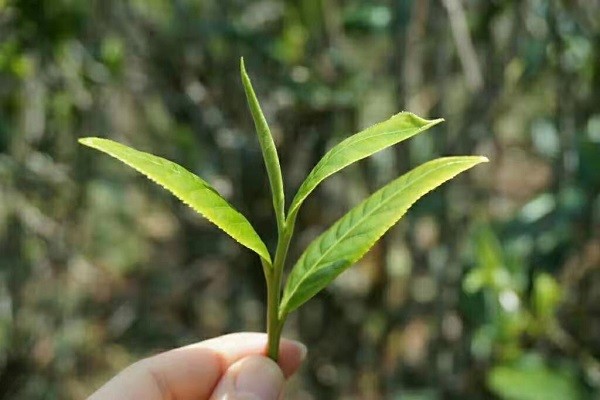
(235, 346)
(192, 372)
(251, 378)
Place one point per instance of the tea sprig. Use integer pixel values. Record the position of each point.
(336, 249)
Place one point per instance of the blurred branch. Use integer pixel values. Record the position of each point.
(464, 44)
(570, 345)
(415, 54)
(332, 22)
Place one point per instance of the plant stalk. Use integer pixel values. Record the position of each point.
(274, 278)
(273, 324)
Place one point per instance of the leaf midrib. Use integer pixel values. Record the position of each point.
(362, 218)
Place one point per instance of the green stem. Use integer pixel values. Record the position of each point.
(273, 325)
(274, 277)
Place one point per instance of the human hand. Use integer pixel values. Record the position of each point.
(230, 367)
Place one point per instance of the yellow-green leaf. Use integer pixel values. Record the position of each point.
(361, 145)
(354, 234)
(189, 188)
(267, 147)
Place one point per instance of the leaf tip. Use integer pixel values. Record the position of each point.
(243, 69)
(87, 141)
(474, 160)
(420, 121)
(428, 123)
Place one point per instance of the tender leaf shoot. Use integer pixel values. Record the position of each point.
(338, 247)
(267, 147)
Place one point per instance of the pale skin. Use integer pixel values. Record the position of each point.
(230, 367)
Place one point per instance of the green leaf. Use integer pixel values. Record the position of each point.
(533, 383)
(361, 145)
(354, 234)
(189, 188)
(547, 295)
(267, 147)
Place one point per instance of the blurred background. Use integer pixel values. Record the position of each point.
(488, 289)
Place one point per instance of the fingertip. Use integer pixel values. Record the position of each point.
(291, 355)
(234, 346)
(259, 376)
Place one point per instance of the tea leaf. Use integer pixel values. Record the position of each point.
(354, 234)
(267, 147)
(189, 188)
(361, 145)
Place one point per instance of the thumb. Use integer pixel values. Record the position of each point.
(251, 378)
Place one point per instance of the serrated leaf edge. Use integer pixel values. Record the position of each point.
(364, 250)
(296, 203)
(89, 141)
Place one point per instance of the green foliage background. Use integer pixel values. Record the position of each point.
(490, 288)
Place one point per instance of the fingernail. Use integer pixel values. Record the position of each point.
(259, 378)
(302, 349)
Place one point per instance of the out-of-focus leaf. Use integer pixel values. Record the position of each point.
(353, 235)
(490, 271)
(533, 383)
(547, 295)
(187, 187)
(538, 208)
(369, 18)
